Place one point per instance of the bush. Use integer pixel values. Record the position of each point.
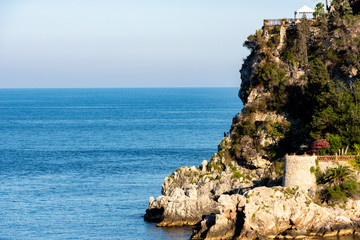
(340, 193)
(255, 41)
(288, 55)
(247, 128)
(340, 184)
(350, 186)
(274, 79)
(276, 39)
(355, 163)
(237, 175)
(338, 174)
(278, 129)
(334, 194)
(335, 142)
(279, 166)
(319, 175)
(320, 146)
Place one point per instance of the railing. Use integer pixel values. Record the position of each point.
(284, 21)
(278, 22)
(336, 158)
(330, 158)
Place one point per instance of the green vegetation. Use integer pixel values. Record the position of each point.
(214, 165)
(330, 108)
(337, 114)
(338, 184)
(340, 193)
(319, 10)
(278, 129)
(308, 89)
(279, 166)
(237, 175)
(274, 79)
(337, 175)
(355, 163)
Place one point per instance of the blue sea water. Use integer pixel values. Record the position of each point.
(82, 163)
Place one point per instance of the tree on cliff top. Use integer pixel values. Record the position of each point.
(341, 7)
(319, 10)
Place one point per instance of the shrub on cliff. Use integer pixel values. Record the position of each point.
(339, 184)
(340, 174)
(274, 79)
(320, 147)
(355, 163)
(255, 42)
(340, 193)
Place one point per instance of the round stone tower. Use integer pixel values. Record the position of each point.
(297, 171)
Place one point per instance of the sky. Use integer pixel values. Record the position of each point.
(130, 43)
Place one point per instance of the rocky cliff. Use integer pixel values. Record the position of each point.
(237, 194)
(277, 213)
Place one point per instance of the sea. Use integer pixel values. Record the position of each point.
(82, 163)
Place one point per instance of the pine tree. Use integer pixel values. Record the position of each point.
(317, 84)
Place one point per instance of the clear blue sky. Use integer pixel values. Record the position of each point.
(129, 43)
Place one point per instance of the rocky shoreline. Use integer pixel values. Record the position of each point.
(236, 209)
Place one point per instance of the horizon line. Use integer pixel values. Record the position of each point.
(105, 87)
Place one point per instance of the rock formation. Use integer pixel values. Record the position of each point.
(190, 193)
(237, 194)
(277, 213)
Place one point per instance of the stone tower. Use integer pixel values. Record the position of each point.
(297, 171)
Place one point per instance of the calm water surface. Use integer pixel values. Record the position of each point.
(82, 163)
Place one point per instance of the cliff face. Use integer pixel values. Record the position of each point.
(290, 88)
(288, 82)
(257, 132)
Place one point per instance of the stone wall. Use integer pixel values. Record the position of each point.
(297, 171)
(323, 165)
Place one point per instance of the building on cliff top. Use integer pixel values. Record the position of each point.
(304, 11)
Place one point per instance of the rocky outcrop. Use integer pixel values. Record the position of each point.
(251, 149)
(190, 193)
(182, 208)
(275, 213)
(224, 224)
